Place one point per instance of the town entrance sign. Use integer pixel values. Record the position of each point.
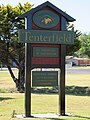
(45, 37)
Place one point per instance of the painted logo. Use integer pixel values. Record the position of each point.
(45, 19)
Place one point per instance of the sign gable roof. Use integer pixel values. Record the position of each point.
(65, 15)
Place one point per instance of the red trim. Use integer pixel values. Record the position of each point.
(44, 45)
(52, 61)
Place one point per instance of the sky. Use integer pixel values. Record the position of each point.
(78, 9)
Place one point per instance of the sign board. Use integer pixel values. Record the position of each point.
(46, 36)
(45, 56)
(46, 19)
(45, 52)
(44, 78)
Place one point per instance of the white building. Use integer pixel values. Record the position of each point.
(77, 61)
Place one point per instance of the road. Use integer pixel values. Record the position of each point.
(78, 71)
(70, 70)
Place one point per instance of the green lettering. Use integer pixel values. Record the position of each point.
(40, 37)
(67, 38)
(34, 38)
(30, 38)
(49, 39)
(61, 39)
(57, 39)
(26, 36)
(53, 39)
(45, 38)
(70, 39)
(37, 37)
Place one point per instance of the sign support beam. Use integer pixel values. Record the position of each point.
(28, 25)
(27, 81)
(62, 73)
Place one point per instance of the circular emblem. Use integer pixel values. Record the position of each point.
(45, 19)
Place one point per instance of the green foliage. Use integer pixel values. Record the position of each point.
(76, 90)
(71, 49)
(73, 90)
(84, 51)
(10, 49)
(8, 32)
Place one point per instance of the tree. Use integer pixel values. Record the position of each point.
(84, 51)
(71, 49)
(10, 49)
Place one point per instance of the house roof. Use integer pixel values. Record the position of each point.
(65, 15)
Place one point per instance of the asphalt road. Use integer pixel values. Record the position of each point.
(70, 70)
(78, 71)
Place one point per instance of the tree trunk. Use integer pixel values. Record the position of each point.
(21, 80)
(18, 81)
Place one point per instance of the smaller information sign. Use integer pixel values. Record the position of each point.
(44, 78)
(45, 52)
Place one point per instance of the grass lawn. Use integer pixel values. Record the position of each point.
(42, 104)
(6, 82)
(78, 106)
(82, 80)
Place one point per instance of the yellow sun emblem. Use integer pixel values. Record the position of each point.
(46, 20)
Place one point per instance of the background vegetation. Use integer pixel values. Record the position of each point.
(11, 51)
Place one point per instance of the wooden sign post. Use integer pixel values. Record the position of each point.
(45, 37)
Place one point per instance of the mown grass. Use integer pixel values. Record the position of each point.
(6, 81)
(7, 84)
(43, 104)
(78, 106)
(78, 80)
